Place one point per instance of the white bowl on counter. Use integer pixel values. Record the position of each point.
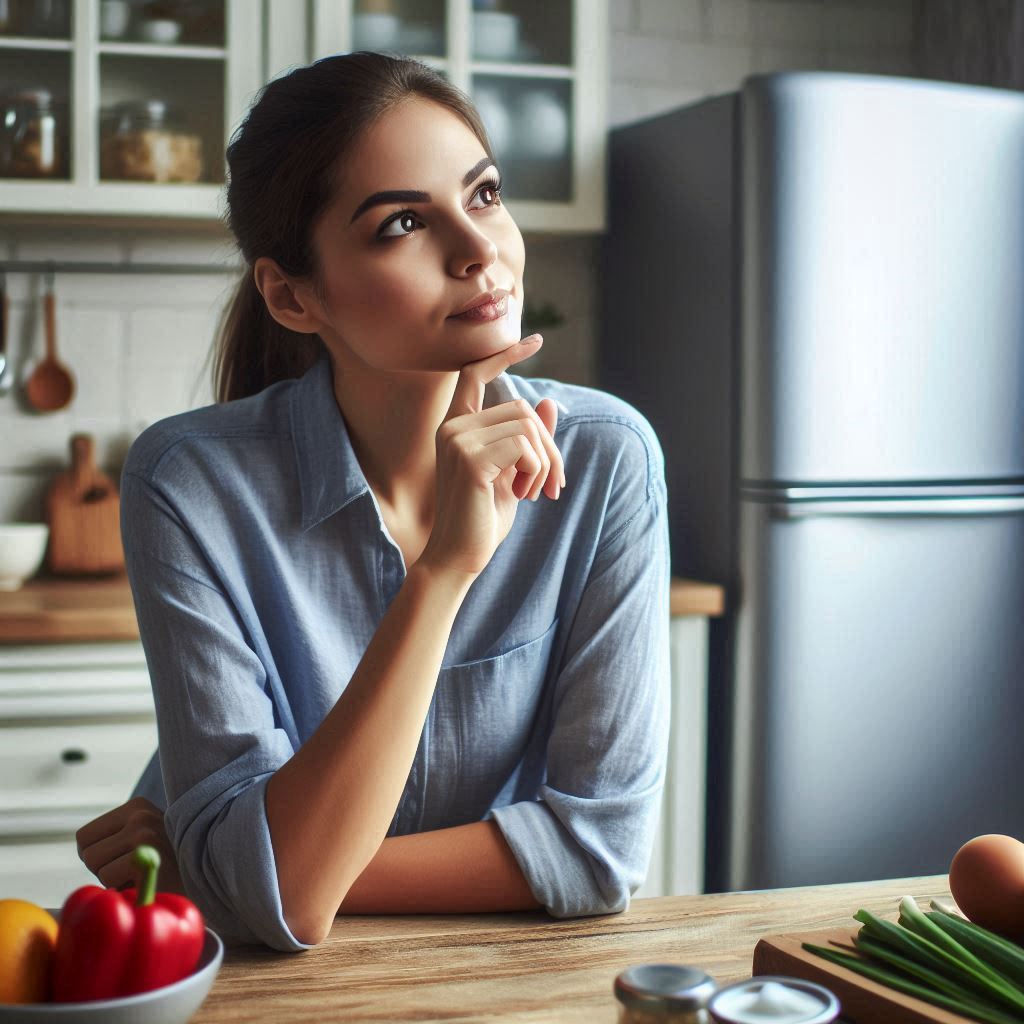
(160, 30)
(22, 547)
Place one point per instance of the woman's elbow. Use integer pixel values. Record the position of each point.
(309, 929)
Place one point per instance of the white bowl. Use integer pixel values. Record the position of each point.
(160, 30)
(171, 1004)
(376, 30)
(495, 35)
(22, 546)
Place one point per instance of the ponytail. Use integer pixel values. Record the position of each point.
(253, 350)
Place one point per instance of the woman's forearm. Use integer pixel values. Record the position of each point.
(463, 870)
(330, 805)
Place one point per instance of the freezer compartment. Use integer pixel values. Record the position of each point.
(883, 254)
(877, 705)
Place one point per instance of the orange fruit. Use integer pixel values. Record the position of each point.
(28, 938)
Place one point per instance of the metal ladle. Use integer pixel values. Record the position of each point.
(51, 385)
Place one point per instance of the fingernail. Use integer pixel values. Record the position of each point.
(558, 491)
(563, 479)
(532, 339)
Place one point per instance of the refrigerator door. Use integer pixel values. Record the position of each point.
(878, 699)
(883, 255)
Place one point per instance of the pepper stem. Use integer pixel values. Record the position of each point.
(147, 858)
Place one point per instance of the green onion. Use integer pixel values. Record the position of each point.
(1005, 956)
(926, 953)
(972, 971)
(933, 978)
(980, 1012)
(941, 958)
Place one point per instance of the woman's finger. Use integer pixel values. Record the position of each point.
(545, 416)
(111, 822)
(474, 377)
(527, 427)
(513, 451)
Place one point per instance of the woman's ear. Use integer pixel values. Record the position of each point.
(292, 304)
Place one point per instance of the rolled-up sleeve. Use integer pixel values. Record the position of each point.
(585, 843)
(218, 742)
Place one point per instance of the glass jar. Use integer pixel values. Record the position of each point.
(146, 140)
(663, 994)
(30, 144)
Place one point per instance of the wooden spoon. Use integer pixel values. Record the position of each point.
(51, 385)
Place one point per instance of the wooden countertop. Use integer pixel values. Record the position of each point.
(526, 966)
(49, 609)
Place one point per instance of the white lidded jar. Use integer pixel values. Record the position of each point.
(663, 994)
(774, 999)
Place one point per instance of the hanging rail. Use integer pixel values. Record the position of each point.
(62, 267)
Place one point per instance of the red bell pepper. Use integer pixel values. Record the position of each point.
(114, 943)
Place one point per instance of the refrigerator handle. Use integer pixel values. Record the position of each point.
(899, 507)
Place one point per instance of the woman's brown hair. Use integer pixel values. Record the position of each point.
(284, 163)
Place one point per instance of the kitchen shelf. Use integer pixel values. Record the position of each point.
(521, 70)
(155, 50)
(31, 43)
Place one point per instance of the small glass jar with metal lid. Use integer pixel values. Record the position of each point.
(664, 994)
(30, 142)
(147, 140)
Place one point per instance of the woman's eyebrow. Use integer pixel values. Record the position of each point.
(411, 196)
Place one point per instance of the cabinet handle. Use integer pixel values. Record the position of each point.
(74, 754)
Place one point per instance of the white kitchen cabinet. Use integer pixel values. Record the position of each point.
(542, 100)
(210, 76)
(677, 863)
(77, 727)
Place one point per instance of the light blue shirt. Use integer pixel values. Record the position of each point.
(261, 568)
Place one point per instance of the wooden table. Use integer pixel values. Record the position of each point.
(525, 966)
(51, 609)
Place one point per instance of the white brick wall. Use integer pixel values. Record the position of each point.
(138, 344)
(670, 52)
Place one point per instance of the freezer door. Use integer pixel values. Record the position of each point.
(878, 699)
(882, 315)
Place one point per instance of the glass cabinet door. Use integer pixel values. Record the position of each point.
(536, 71)
(161, 91)
(35, 90)
(123, 107)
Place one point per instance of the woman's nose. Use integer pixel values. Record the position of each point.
(472, 251)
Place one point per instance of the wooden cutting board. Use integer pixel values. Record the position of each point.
(863, 1001)
(83, 510)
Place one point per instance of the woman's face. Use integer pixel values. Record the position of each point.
(395, 275)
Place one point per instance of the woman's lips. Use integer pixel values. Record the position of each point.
(488, 311)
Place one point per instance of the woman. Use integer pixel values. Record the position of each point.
(381, 685)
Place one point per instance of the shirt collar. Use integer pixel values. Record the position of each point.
(329, 473)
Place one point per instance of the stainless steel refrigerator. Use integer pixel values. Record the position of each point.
(814, 289)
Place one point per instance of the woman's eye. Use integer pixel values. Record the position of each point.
(494, 189)
(404, 220)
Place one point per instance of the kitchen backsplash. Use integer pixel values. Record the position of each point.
(139, 344)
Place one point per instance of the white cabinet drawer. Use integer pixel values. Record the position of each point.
(45, 872)
(74, 680)
(56, 767)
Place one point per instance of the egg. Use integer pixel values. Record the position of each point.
(986, 879)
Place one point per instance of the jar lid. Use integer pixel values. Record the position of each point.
(769, 998)
(37, 97)
(664, 987)
(153, 108)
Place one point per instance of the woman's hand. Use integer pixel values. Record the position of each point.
(106, 844)
(488, 460)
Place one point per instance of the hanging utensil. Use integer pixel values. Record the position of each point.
(51, 385)
(6, 376)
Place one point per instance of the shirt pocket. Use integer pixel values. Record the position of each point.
(483, 716)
